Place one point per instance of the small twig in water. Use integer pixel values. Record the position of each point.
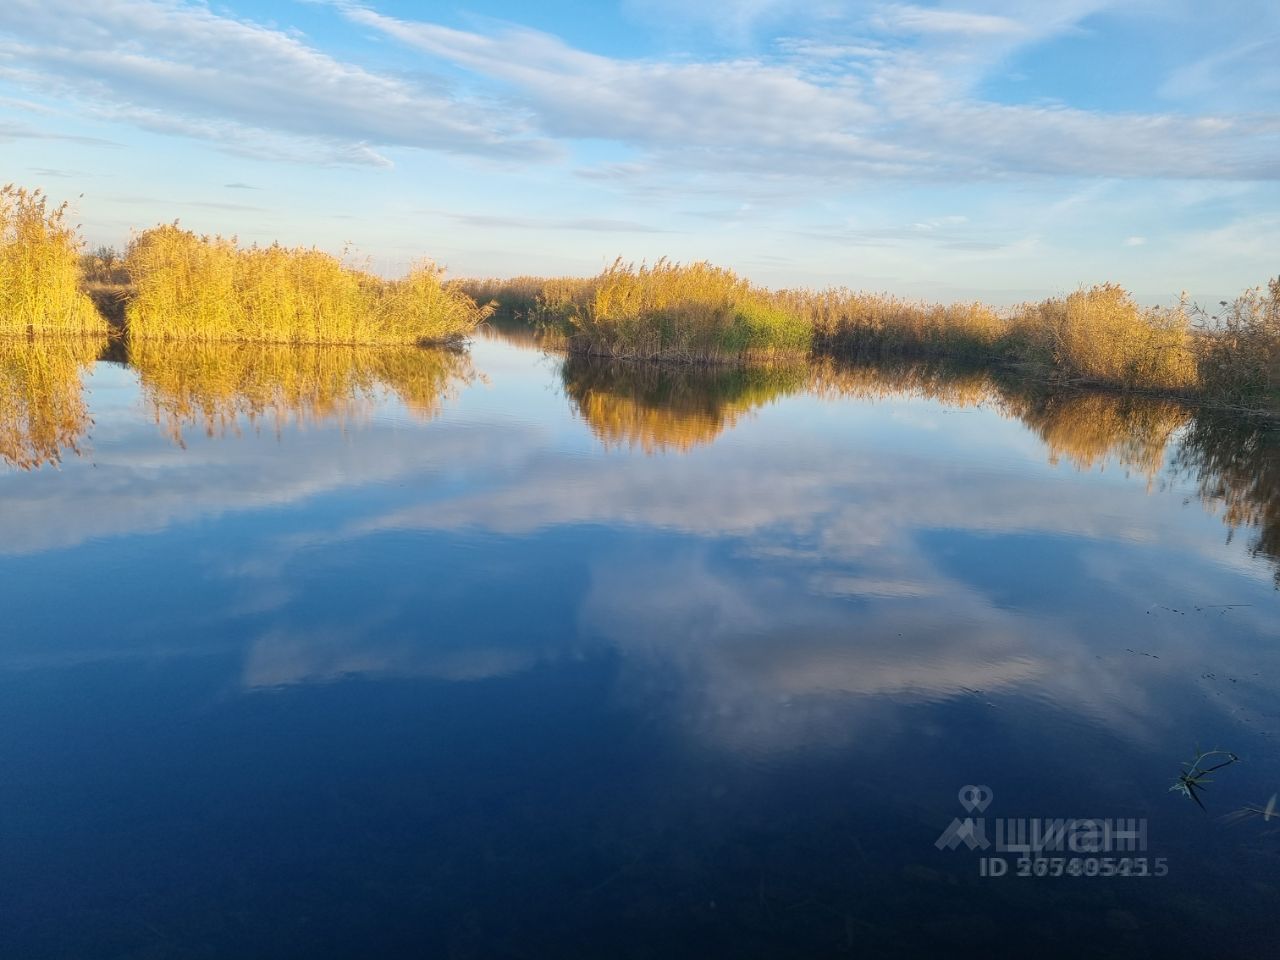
(1195, 778)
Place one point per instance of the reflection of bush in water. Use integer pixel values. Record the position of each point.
(1234, 461)
(656, 407)
(212, 385)
(952, 383)
(1087, 429)
(1236, 466)
(42, 406)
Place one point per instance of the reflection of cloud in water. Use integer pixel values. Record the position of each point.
(142, 486)
(286, 657)
(765, 666)
(796, 585)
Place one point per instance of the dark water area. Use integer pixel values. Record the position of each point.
(339, 653)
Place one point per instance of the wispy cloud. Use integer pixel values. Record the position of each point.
(18, 131)
(182, 68)
(908, 18)
(589, 224)
(894, 113)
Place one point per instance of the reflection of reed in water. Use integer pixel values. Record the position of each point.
(1085, 428)
(212, 386)
(1235, 463)
(657, 407)
(42, 407)
(953, 384)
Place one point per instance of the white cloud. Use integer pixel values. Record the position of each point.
(889, 92)
(908, 18)
(885, 113)
(181, 68)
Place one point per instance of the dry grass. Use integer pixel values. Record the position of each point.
(1098, 335)
(685, 312)
(845, 321)
(1240, 349)
(176, 285)
(43, 413)
(1102, 336)
(216, 387)
(189, 287)
(40, 269)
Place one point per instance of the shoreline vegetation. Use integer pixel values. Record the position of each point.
(172, 284)
(1097, 336)
(208, 289)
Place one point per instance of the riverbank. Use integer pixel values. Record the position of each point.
(1098, 336)
(172, 284)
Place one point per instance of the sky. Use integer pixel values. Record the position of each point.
(993, 149)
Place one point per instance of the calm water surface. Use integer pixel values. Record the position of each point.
(359, 653)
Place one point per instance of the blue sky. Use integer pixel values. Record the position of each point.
(996, 148)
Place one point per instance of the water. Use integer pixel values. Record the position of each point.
(335, 654)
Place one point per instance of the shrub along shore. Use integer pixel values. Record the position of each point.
(172, 284)
(1099, 335)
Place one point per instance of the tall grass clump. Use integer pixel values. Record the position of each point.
(1240, 349)
(688, 312)
(1101, 335)
(40, 268)
(846, 321)
(189, 287)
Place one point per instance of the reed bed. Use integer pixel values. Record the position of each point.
(199, 288)
(40, 269)
(176, 285)
(1239, 349)
(685, 312)
(217, 387)
(848, 322)
(1101, 335)
(1097, 335)
(43, 413)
